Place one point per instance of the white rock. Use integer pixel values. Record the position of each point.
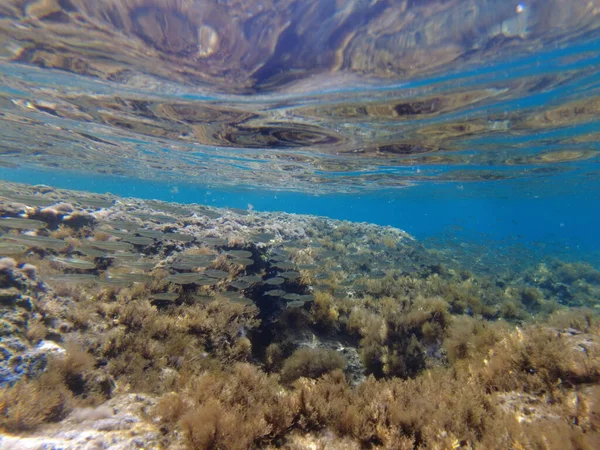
(50, 347)
(118, 424)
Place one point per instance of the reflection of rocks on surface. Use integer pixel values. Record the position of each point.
(245, 45)
(322, 63)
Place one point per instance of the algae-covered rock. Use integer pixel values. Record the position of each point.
(9, 296)
(19, 355)
(20, 360)
(427, 346)
(118, 424)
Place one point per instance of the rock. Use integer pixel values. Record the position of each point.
(14, 344)
(17, 359)
(42, 8)
(527, 407)
(7, 264)
(49, 347)
(24, 302)
(7, 328)
(325, 439)
(354, 367)
(10, 295)
(118, 424)
(79, 220)
(29, 270)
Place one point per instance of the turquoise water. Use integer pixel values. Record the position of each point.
(436, 212)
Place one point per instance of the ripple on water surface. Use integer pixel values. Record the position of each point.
(302, 95)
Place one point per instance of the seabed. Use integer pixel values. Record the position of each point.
(130, 323)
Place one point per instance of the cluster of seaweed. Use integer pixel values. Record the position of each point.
(352, 337)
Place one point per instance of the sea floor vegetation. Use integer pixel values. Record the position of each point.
(189, 327)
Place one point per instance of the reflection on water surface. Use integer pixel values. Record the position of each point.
(301, 95)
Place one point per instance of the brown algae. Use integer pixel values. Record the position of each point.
(402, 352)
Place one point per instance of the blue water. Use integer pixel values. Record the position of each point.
(496, 145)
(449, 212)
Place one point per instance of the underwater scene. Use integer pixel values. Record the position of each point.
(299, 224)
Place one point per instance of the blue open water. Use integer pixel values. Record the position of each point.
(566, 224)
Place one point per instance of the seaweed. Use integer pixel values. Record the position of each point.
(238, 409)
(398, 350)
(29, 403)
(49, 397)
(311, 363)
